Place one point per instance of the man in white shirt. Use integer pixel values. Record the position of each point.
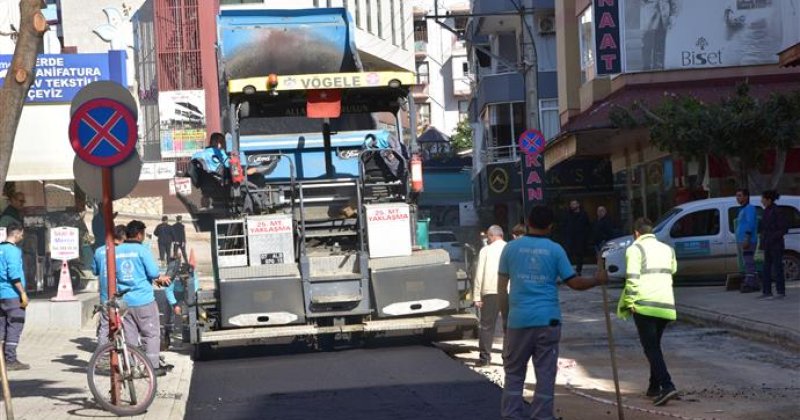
(485, 291)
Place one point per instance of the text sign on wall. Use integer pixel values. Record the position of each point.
(532, 143)
(64, 244)
(59, 77)
(607, 39)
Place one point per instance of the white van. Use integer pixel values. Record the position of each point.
(701, 232)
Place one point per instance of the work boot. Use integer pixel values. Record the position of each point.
(665, 396)
(17, 365)
(653, 391)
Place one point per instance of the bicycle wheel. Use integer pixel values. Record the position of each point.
(137, 380)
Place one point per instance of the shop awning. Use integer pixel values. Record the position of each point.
(790, 57)
(41, 149)
(591, 142)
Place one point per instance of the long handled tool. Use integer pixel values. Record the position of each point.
(6, 387)
(620, 414)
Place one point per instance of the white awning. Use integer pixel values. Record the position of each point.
(41, 150)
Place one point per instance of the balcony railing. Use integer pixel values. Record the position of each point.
(498, 154)
(420, 91)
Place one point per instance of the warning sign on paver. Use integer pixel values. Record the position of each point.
(64, 244)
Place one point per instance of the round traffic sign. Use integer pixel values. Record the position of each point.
(532, 142)
(124, 177)
(103, 132)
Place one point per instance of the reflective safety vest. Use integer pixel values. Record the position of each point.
(650, 265)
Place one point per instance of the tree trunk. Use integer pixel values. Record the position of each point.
(19, 79)
(778, 169)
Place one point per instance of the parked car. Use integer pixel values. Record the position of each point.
(702, 234)
(446, 239)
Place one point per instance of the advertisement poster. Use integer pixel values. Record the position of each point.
(683, 34)
(182, 122)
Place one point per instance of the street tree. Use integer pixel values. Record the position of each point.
(20, 76)
(740, 128)
(461, 139)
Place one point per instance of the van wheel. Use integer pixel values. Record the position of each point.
(791, 267)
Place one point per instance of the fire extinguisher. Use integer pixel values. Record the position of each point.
(416, 173)
(237, 174)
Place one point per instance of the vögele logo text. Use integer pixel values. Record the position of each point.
(701, 56)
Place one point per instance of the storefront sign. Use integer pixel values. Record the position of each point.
(532, 144)
(64, 244)
(59, 77)
(607, 39)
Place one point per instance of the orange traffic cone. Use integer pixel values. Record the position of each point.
(64, 285)
(192, 261)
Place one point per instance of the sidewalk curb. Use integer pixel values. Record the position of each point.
(747, 328)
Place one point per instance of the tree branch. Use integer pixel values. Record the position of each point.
(19, 79)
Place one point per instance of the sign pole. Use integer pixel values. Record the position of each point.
(111, 271)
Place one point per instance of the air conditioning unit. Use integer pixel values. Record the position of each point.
(547, 25)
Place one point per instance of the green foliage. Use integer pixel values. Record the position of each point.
(741, 125)
(461, 139)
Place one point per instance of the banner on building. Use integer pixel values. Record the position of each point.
(674, 34)
(59, 77)
(607, 39)
(182, 118)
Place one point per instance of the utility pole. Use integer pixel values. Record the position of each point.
(530, 65)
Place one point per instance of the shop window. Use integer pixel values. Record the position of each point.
(699, 223)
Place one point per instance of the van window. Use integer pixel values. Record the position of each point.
(699, 223)
(733, 213)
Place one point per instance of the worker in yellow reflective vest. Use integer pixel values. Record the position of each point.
(649, 298)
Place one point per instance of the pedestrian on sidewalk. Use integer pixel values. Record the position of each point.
(165, 238)
(179, 239)
(13, 299)
(533, 264)
(100, 269)
(576, 230)
(649, 297)
(603, 229)
(15, 210)
(518, 231)
(137, 271)
(773, 227)
(746, 227)
(485, 292)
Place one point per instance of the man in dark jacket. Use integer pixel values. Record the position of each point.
(773, 226)
(179, 239)
(164, 233)
(603, 228)
(576, 229)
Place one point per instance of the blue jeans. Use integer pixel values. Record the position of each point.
(773, 271)
(651, 329)
(521, 345)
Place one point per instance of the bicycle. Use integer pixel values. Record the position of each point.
(125, 385)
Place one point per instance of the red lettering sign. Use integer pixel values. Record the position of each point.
(607, 21)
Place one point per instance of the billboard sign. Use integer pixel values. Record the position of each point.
(59, 77)
(673, 35)
(182, 115)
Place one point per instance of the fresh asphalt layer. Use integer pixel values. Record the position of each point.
(385, 382)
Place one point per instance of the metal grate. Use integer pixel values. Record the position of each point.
(178, 45)
(231, 243)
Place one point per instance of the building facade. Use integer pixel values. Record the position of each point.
(444, 78)
(503, 105)
(638, 52)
